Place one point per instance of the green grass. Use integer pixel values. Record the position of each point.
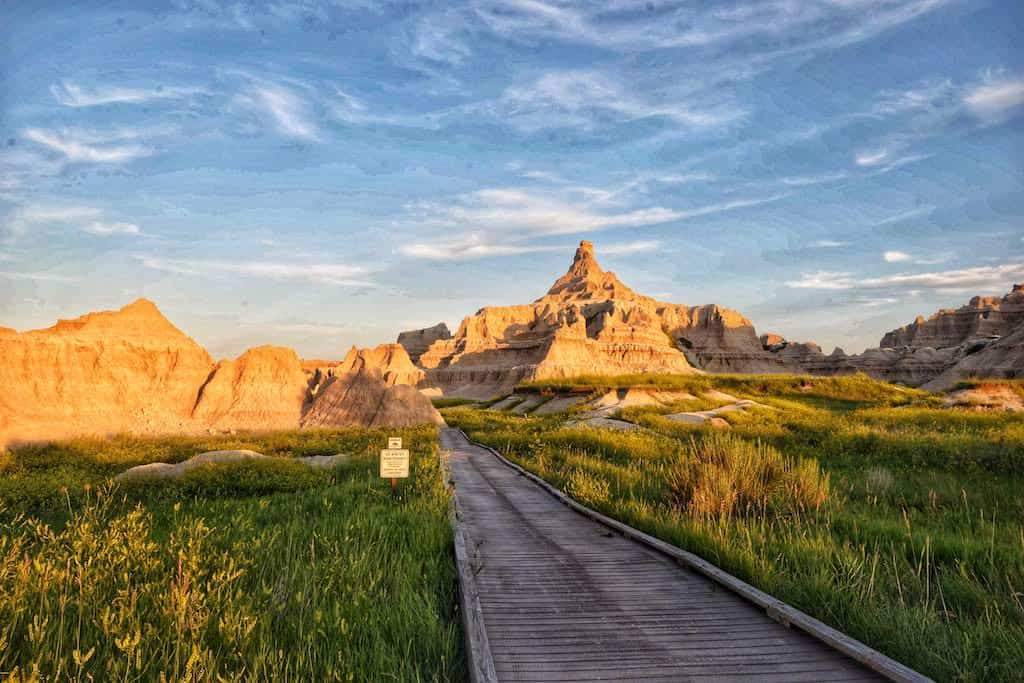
(255, 571)
(450, 402)
(917, 548)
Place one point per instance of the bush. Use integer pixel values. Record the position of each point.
(721, 475)
(588, 488)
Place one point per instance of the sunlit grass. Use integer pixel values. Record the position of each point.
(255, 571)
(916, 547)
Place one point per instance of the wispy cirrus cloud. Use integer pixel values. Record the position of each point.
(83, 218)
(82, 147)
(626, 248)
(285, 107)
(800, 181)
(895, 256)
(106, 228)
(70, 94)
(979, 277)
(501, 221)
(995, 98)
(587, 99)
(35, 276)
(321, 273)
(468, 247)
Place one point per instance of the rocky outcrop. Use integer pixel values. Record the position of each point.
(1000, 359)
(984, 317)
(132, 371)
(113, 371)
(363, 398)
(590, 323)
(264, 388)
(985, 338)
(415, 342)
(389, 360)
(164, 470)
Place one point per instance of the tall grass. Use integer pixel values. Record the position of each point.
(916, 545)
(723, 475)
(248, 572)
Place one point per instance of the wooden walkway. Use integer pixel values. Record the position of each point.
(565, 599)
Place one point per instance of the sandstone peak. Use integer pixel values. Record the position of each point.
(586, 280)
(140, 321)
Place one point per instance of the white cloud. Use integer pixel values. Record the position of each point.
(436, 38)
(625, 248)
(500, 221)
(993, 99)
(871, 157)
(896, 256)
(828, 244)
(321, 273)
(289, 111)
(85, 218)
(466, 247)
(80, 148)
(906, 215)
(981, 277)
(928, 95)
(111, 228)
(800, 181)
(585, 99)
(505, 209)
(72, 95)
(38, 276)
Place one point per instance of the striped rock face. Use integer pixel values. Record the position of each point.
(132, 371)
(589, 323)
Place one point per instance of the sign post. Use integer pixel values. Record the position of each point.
(394, 462)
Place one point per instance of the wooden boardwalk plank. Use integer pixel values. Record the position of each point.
(563, 598)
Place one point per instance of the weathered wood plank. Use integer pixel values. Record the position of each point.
(566, 594)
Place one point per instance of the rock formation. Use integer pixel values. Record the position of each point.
(264, 388)
(589, 323)
(133, 371)
(984, 317)
(114, 371)
(416, 342)
(363, 398)
(985, 338)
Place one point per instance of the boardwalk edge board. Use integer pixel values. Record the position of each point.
(773, 607)
(479, 659)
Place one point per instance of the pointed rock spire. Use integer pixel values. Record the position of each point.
(586, 280)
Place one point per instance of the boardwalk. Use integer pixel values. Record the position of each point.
(564, 599)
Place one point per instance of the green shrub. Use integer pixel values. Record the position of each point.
(588, 488)
(721, 475)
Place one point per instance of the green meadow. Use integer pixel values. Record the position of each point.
(264, 571)
(867, 505)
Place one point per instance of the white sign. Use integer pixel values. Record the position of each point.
(394, 443)
(394, 463)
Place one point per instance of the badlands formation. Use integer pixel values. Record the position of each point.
(984, 338)
(589, 323)
(133, 371)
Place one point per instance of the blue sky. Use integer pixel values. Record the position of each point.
(325, 173)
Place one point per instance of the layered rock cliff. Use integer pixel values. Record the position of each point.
(984, 317)
(113, 371)
(985, 338)
(133, 371)
(588, 323)
(415, 342)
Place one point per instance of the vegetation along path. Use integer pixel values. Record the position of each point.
(564, 598)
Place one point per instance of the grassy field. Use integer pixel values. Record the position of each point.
(865, 504)
(240, 572)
